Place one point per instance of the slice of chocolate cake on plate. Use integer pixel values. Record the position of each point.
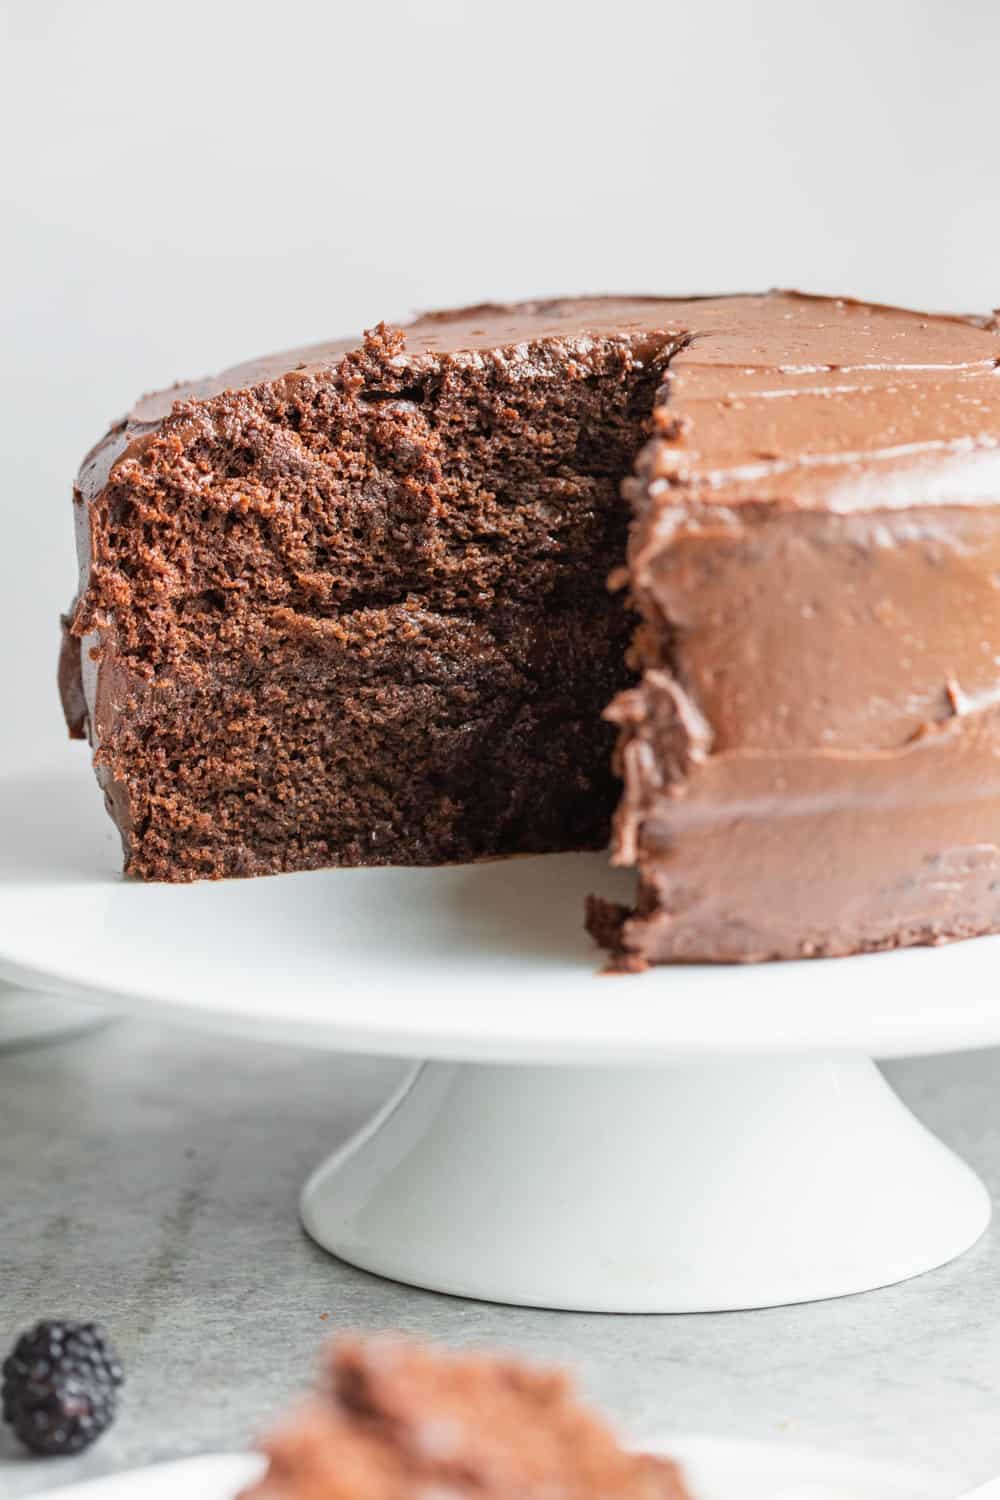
(394, 1421)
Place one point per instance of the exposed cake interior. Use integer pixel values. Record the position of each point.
(371, 606)
(348, 605)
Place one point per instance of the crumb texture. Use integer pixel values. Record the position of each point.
(360, 615)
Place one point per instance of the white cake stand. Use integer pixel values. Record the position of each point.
(696, 1138)
(29, 1018)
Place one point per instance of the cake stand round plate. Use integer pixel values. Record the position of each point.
(693, 1138)
(28, 1018)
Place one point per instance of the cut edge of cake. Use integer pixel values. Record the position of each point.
(793, 439)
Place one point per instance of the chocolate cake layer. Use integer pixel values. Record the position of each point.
(358, 614)
(398, 1422)
(349, 606)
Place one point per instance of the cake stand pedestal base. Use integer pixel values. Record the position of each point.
(693, 1187)
(29, 1017)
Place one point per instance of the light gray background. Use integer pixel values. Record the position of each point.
(152, 1176)
(190, 183)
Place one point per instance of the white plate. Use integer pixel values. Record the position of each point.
(216, 1476)
(726, 1469)
(717, 1470)
(473, 962)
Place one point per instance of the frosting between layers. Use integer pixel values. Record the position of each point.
(757, 854)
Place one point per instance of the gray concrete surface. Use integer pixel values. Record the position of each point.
(149, 1178)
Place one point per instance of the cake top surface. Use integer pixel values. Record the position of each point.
(774, 397)
(398, 1421)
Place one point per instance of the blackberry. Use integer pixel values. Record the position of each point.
(60, 1386)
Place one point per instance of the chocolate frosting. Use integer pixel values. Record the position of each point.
(809, 756)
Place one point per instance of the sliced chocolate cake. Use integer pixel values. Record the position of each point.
(350, 606)
(398, 1422)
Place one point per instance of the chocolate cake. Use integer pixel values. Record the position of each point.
(351, 606)
(397, 1422)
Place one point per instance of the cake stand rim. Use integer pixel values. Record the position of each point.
(269, 965)
(453, 1045)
